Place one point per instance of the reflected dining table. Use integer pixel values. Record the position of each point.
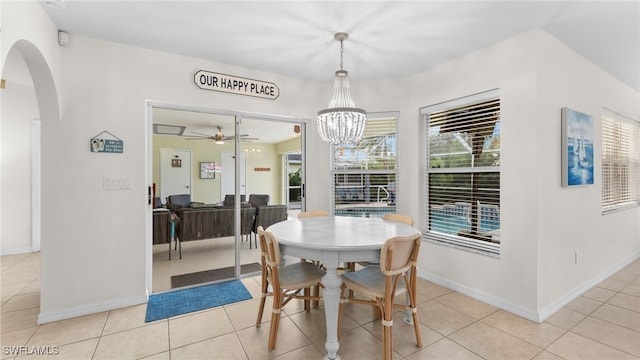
(334, 240)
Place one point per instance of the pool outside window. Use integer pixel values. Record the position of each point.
(364, 175)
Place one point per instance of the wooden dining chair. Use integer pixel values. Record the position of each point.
(287, 282)
(400, 218)
(380, 284)
(305, 214)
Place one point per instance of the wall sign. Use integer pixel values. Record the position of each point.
(208, 80)
(98, 144)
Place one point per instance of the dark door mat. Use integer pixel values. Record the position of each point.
(211, 275)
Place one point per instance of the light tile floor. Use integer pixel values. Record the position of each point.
(603, 323)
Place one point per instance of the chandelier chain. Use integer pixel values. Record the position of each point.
(341, 51)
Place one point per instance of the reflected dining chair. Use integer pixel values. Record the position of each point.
(286, 282)
(380, 284)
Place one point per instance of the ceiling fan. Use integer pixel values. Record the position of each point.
(219, 136)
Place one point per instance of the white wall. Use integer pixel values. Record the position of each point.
(97, 248)
(511, 67)
(543, 224)
(570, 219)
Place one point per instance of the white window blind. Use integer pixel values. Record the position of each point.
(365, 174)
(463, 172)
(620, 162)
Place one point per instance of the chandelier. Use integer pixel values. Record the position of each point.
(341, 122)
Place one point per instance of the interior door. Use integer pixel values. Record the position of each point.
(228, 184)
(175, 172)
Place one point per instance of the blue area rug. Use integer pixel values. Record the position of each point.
(165, 305)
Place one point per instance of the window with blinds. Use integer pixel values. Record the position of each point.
(620, 162)
(365, 175)
(463, 172)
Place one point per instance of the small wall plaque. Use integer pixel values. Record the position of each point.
(99, 144)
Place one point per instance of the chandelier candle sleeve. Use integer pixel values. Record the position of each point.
(341, 122)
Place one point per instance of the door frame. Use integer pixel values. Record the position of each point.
(149, 106)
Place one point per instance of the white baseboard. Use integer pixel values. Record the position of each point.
(474, 293)
(16, 251)
(549, 310)
(537, 315)
(64, 314)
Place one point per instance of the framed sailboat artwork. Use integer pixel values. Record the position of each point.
(577, 148)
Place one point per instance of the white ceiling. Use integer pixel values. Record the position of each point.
(387, 38)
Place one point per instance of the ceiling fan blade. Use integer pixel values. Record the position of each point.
(200, 138)
(230, 137)
(199, 133)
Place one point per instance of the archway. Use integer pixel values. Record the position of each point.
(29, 97)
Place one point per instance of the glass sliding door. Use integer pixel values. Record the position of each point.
(199, 242)
(264, 144)
(237, 181)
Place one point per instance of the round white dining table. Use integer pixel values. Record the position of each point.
(334, 240)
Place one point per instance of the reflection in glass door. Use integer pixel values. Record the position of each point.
(265, 144)
(293, 167)
(213, 236)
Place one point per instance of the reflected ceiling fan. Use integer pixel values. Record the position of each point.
(219, 136)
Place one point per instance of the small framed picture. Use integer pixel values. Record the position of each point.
(207, 170)
(577, 148)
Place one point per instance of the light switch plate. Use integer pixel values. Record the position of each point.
(117, 183)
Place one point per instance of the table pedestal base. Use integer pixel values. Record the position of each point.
(331, 295)
(326, 357)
